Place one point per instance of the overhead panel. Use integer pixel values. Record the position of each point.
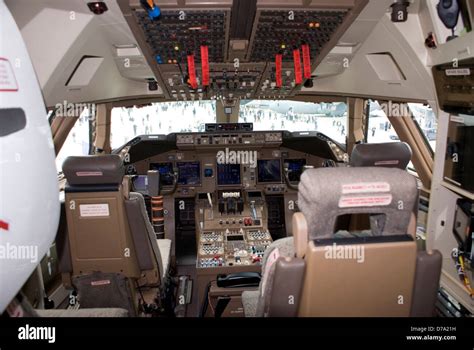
(284, 30)
(243, 40)
(179, 32)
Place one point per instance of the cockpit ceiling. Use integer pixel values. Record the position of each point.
(255, 49)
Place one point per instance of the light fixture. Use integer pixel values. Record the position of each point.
(97, 7)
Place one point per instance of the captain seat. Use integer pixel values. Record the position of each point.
(387, 155)
(370, 273)
(108, 227)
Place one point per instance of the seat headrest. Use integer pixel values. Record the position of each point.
(389, 155)
(324, 194)
(94, 170)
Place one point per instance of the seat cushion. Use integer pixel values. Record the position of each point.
(164, 245)
(96, 312)
(250, 302)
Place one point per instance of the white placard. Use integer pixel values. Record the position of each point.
(89, 173)
(88, 210)
(457, 119)
(366, 187)
(7, 77)
(458, 71)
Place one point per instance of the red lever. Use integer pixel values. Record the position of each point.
(297, 63)
(278, 64)
(205, 65)
(192, 72)
(306, 61)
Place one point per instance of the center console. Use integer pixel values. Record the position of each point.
(233, 232)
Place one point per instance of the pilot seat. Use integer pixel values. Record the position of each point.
(376, 272)
(109, 231)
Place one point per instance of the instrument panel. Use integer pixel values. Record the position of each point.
(235, 188)
(248, 160)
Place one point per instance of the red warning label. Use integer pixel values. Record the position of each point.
(7, 76)
(365, 201)
(4, 225)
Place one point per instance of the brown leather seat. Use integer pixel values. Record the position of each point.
(108, 228)
(375, 272)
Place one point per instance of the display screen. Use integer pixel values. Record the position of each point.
(189, 173)
(140, 183)
(228, 174)
(166, 171)
(269, 170)
(208, 172)
(295, 166)
(254, 194)
(235, 238)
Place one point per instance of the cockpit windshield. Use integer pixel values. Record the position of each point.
(190, 116)
(160, 118)
(327, 118)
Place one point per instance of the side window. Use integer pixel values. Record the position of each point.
(78, 141)
(426, 120)
(380, 129)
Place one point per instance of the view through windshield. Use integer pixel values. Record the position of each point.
(160, 118)
(190, 116)
(327, 118)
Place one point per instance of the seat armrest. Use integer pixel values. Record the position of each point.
(425, 289)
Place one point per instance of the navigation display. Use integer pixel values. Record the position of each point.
(269, 170)
(228, 174)
(295, 166)
(140, 183)
(165, 170)
(189, 173)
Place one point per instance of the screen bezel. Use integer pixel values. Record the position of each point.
(151, 167)
(199, 173)
(137, 177)
(272, 181)
(294, 160)
(233, 184)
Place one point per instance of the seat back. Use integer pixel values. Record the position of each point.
(144, 239)
(369, 273)
(106, 226)
(387, 155)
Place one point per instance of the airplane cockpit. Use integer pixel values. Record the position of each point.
(236, 158)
